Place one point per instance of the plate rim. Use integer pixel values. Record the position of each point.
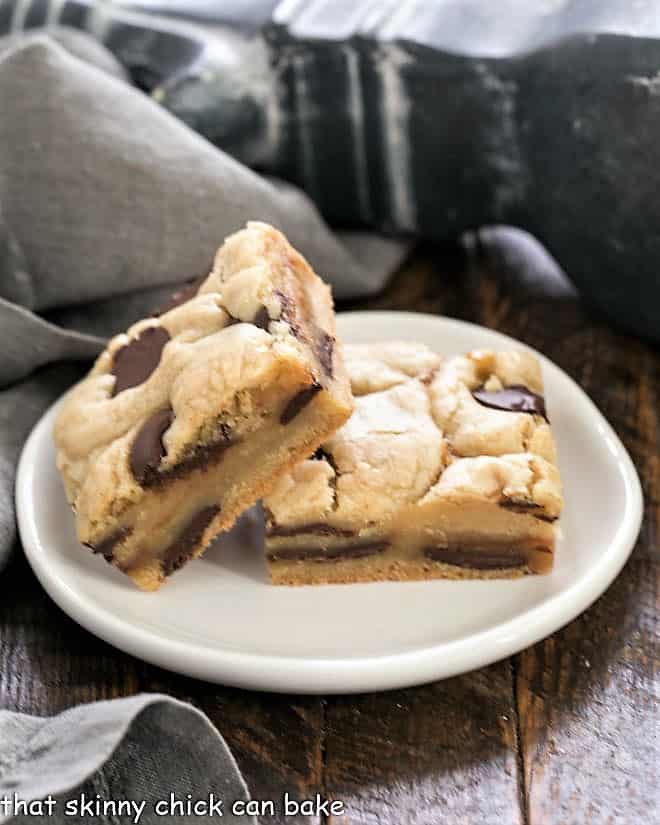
(320, 675)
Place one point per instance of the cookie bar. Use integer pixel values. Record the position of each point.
(447, 473)
(187, 419)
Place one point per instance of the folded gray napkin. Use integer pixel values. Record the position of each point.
(138, 760)
(106, 202)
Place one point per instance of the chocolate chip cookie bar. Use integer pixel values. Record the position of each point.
(446, 469)
(188, 418)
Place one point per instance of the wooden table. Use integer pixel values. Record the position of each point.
(565, 732)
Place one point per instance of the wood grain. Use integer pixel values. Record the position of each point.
(589, 711)
(566, 733)
(443, 753)
(589, 696)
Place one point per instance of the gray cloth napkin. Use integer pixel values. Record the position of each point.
(136, 751)
(107, 202)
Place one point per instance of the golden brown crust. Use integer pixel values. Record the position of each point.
(301, 574)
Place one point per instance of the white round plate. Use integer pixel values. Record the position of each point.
(219, 619)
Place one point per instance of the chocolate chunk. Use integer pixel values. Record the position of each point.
(299, 402)
(106, 546)
(530, 508)
(147, 449)
(315, 529)
(324, 348)
(324, 455)
(288, 314)
(183, 547)
(134, 363)
(316, 338)
(203, 455)
(475, 559)
(188, 291)
(515, 398)
(262, 318)
(357, 550)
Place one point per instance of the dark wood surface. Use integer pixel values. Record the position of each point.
(567, 732)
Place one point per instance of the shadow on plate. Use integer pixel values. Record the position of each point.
(240, 551)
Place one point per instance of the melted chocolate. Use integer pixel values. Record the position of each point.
(262, 318)
(147, 449)
(512, 399)
(106, 546)
(526, 508)
(183, 547)
(288, 314)
(324, 350)
(203, 455)
(323, 343)
(134, 363)
(475, 559)
(299, 402)
(358, 550)
(314, 529)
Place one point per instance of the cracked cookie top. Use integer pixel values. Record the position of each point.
(378, 367)
(425, 429)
